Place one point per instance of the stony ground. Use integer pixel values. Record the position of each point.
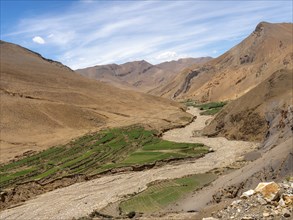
(82, 198)
(273, 201)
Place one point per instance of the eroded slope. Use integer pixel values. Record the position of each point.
(267, 49)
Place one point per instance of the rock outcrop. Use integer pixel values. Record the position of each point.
(269, 200)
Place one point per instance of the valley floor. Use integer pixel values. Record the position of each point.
(82, 198)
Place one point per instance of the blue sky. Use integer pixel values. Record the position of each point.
(86, 32)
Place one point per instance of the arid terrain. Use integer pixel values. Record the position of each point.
(177, 140)
(229, 76)
(44, 103)
(140, 75)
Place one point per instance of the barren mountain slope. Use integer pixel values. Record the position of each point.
(139, 75)
(44, 103)
(266, 50)
(263, 112)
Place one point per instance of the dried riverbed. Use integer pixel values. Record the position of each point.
(82, 198)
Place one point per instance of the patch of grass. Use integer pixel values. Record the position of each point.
(211, 105)
(212, 111)
(16, 175)
(159, 195)
(161, 150)
(95, 153)
(168, 145)
(211, 108)
(47, 173)
(149, 157)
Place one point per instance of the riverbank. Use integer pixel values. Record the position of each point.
(98, 193)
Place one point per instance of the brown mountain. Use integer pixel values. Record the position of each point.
(263, 112)
(266, 50)
(139, 75)
(44, 103)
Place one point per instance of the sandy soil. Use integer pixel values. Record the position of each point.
(44, 103)
(82, 198)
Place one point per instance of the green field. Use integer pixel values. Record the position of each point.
(96, 153)
(210, 108)
(159, 195)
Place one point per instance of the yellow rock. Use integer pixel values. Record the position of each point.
(269, 190)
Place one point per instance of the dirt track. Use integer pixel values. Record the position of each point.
(82, 198)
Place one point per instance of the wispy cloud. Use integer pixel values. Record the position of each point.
(99, 32)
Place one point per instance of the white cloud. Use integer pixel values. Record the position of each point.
(39, 40)
(157, 31)
(168, 56)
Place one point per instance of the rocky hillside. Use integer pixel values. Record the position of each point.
(139, 75)
(44, 103)
(264, 114)
(266, 50)
(269, 200)
(259, 114)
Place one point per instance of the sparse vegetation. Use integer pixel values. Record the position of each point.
(210, 108)
(159, 195)
(211, 105)
(96, 153)
(190, 102)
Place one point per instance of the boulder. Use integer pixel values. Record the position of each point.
(247, 194)
(269, 190)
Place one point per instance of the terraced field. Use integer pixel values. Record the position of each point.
(95, 153)
(158, 195)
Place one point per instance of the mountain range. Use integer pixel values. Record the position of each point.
(139, 75)
(267, 49)
(45, 103)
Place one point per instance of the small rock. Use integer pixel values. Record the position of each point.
(219, 215)
(261, 201)
(236, 202)
(282, 203)
(265, 214)
(210, 218)
(247, 218)
(270, 190)
(247, 194)
(286, 213)
(288, 199)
